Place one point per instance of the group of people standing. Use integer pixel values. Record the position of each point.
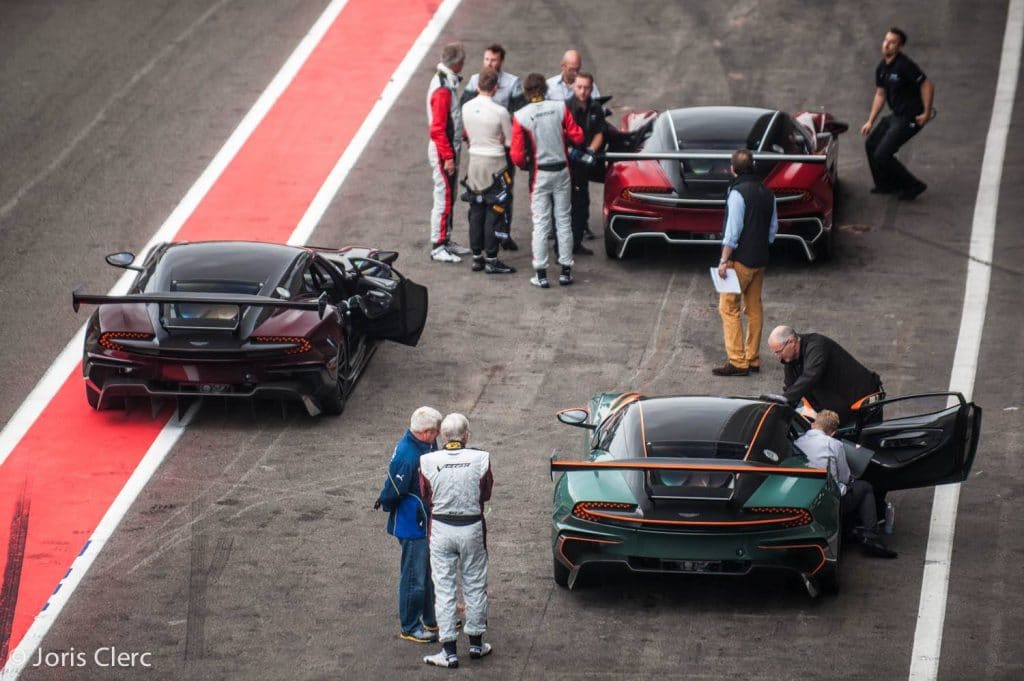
(550, 127)
(435, 499)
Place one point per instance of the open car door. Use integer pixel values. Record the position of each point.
(921, 440)
(401, 303)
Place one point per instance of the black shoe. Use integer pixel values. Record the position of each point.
(913, 192)
(540, 279)
(588, 235)
(881, 190)
(495, 266)
(565, 278)
(478, 263)
(582, 250)
(874, 547)
(754, 368)
(509, 245)
(729, 370)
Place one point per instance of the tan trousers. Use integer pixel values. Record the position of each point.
(743, 355)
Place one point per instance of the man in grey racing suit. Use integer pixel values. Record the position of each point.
(539, 134)
(455, 482)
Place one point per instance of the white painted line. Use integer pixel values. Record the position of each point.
(931, 614)
(68, 358)
(172, 431)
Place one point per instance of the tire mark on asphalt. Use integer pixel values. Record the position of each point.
(205, 569)
(12, 571)
(117, 97)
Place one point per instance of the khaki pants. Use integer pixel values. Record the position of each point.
(743, 355)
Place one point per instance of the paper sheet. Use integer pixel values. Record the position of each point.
(730, 284)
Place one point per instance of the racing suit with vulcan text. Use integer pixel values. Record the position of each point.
(455, 482)
(539, 133)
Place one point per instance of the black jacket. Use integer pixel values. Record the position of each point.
(828, 376)
(759, 206)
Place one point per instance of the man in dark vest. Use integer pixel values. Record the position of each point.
(751, 223)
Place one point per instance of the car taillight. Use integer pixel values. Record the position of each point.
(301, 344)
(628, 192)
(791, 517)
(108, 339)
(580, 510)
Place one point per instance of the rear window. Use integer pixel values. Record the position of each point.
(221, 313)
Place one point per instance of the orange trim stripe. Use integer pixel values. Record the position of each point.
(643, 428)
(801, 546)
(758, 431)
(701, 523)
(711, 468)
(562, 539)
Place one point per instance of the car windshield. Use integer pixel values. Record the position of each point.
(225, 313)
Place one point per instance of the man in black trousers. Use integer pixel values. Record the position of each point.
(904, 86)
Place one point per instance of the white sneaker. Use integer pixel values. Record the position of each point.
(456, 249)
(482, 650)
(442, 659)
(442, 254)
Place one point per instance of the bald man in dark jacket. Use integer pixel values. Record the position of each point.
(819, 369)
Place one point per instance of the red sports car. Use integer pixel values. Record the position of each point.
(239, 319)
(673, 187)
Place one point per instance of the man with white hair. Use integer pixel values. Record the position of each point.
(444, 118)
(455, 483)
(407, 522)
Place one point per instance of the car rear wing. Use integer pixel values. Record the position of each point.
(691, 466)
(710, 156)
(241, 300)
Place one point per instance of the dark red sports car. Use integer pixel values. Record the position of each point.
(672, 187)
(246, 320)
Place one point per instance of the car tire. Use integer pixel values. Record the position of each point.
(93, 398)
(824, 248)
(333, 402)
(612, 245)
(560, 573)
(828, 579)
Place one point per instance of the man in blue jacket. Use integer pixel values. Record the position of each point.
(408, 523)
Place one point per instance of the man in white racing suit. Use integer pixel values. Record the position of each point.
(540, 131)
(455, 482)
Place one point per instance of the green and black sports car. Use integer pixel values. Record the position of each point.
(715, 485)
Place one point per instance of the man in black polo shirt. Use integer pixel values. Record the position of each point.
(903, 85)
(589, 115)
(751, 223)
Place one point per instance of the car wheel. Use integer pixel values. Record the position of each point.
(823, 249)
(93, 398)
(828, 579)
(560, 573)
(612, 245)
(333, 403)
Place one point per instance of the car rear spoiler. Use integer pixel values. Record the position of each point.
(693, 465)
(241, 300)
(710, 156)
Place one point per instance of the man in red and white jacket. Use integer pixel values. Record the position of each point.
(444, 118)
(539, 133)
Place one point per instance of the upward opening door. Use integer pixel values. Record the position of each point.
(405, 301)
(920, 440)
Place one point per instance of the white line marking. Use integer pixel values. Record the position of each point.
(59, 371)
(931, 614)
(66, 361)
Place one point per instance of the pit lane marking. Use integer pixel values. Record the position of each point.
(931, 614)
(55, 378)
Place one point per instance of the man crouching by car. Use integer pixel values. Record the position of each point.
(408, 523)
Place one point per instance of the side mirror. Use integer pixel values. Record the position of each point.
(124, 260)
(576, 417)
